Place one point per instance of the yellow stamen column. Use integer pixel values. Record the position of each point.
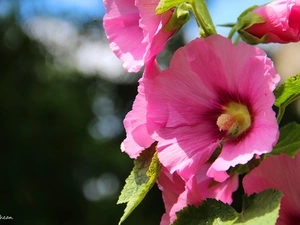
(235, 119)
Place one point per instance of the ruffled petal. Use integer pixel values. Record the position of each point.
(186, 100)
(121, 24)
(135, 122)
(135, 31)
(281, 173)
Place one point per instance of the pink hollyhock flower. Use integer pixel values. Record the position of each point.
(214, 93)
(178, 193)
(171, 185)
(282, 22)
(281, 173)
(134, 30)
(137, 137)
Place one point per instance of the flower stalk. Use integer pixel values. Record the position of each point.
(203, 18)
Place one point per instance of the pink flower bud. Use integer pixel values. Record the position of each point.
(282, 22)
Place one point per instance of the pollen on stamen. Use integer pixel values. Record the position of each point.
(235, 120)
(225, 122)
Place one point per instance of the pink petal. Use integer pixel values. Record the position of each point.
(221, 191)
(281, 173)
(172, 186)
(260, 139)
(178, 193)
(121, 24)
(135, 122)
(186, 100)
(152, 25)
(187, 152)
(135, 31)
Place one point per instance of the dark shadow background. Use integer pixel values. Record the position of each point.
(53, 170)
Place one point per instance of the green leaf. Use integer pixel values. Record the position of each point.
(261, 208)
(141, 179)
(250, 39)
(286, 94)
(289, 140)
(226, 25)
(248, 18)
(179, 17)
(211, 211)
(165, 5)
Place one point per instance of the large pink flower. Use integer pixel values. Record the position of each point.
(213, 93)
(178, 193)
(135, 31)
(282, 23)
(281, 173)
(137, 136)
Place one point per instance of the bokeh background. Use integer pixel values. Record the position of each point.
(63, 96)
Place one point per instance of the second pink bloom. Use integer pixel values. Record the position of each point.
(135, 31)
(213, 94)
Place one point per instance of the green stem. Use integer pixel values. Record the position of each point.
(236, 40)
(231, 33)
(280, 114)
(203, 18)
(191, 8)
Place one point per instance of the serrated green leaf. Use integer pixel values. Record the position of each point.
(165, 5)
(289, 140)
(261, 208)
(287, 92)
(141, 179)
(209, 212)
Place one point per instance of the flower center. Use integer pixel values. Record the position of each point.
(235, 119)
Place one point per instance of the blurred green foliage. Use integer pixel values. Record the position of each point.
(47, 152)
